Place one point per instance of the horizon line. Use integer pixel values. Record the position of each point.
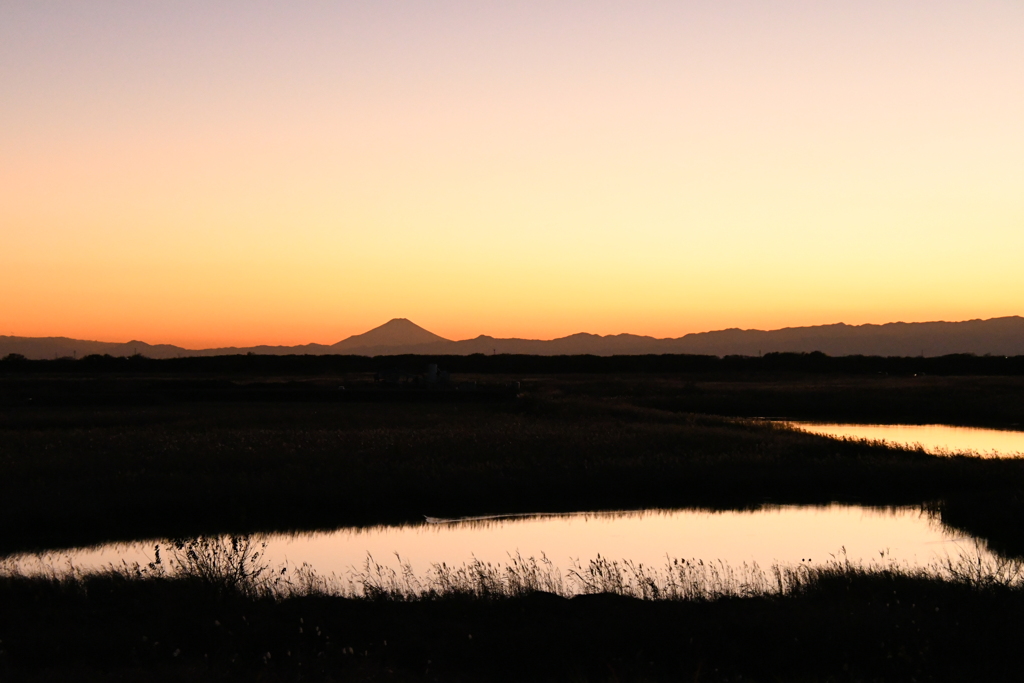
(445, 339)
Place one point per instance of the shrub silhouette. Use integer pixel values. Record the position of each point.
(227, 565)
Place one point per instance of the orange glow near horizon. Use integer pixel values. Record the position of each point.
(269, 174)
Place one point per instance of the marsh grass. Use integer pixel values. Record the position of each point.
(232, 566)
(520, 620)
(235, 566)
(475, 579)
(676, 580)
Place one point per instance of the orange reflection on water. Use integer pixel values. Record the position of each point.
(787, 534)
(938, 439)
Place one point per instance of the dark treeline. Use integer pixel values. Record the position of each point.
(815, 363)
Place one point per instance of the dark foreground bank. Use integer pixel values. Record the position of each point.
(837, 625)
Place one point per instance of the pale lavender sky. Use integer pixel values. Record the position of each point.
(241, 172)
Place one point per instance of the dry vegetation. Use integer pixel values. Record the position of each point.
(74, 472)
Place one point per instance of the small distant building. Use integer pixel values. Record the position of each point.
(436, 376)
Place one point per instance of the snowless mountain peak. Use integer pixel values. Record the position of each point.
(395, 332)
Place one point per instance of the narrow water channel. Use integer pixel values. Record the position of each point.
(937, 439)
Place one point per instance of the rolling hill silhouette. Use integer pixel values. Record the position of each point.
(996, 336)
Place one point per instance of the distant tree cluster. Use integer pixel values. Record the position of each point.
(815, 363)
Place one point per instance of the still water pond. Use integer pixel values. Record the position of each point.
(938, 439)
(786, 534)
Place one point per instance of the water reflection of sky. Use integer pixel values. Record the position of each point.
(788, 534)
(938, 439)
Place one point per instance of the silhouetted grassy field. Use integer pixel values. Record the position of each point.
(126, 456)
(967, 400)
(833, 623)
(73, 474)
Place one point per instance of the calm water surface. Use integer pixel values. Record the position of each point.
(787, 534)
(938, 439)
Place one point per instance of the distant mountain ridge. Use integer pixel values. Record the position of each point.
(996, 336)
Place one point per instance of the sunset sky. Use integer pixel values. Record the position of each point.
(233, 173)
